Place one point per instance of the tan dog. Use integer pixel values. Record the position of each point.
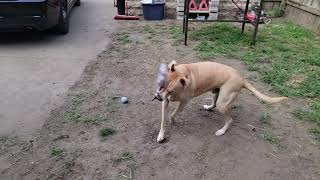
(186, 81)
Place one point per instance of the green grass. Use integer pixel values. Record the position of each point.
(275, 140)
(316, 132)
(56, 151)
(286, 55)
(126, 156)
(176, 34)
(290, 50)
(312, 115)
(265, 119)
(148, 29)
(123, 38)
(105, 132)
(74, 114)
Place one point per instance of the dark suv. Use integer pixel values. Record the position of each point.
(19, 15)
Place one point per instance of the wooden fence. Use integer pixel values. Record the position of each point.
(305, 13)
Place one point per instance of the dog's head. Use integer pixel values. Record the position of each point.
(176, 81)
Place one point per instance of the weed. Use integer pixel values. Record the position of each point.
(316, 132)
(272, 139)
(148, 29)
(126, 156)
(72, 115)
(104, 132)
(265, 118)
(123, 38)
(56, 151)
(96, 120)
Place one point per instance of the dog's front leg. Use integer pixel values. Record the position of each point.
(164, 111)
(178, 109)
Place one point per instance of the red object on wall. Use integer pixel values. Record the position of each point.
(203, 6)
(193, 6)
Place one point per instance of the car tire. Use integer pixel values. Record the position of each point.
(63, 25)
(78, 3)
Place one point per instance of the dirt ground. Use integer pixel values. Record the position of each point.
(69, 145)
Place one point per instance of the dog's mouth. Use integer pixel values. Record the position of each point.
(159, 94)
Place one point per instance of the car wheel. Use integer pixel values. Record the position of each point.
(63, 25)
(78, 3)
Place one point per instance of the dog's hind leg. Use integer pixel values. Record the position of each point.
(215, 95)
(223, 105)
(165, 104)
(228, 121)
(178, 109)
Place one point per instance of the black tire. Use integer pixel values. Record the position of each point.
(63, 25)
(78, 3)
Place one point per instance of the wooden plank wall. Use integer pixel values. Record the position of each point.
(305, 13)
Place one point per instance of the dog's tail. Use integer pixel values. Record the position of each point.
(261, 96)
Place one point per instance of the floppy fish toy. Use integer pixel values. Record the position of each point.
(161, 80)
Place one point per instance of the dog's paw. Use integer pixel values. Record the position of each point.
(207, 107)
(160, 137)
(220, 132)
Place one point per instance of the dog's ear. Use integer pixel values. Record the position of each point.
(183, 81)
(171, 66)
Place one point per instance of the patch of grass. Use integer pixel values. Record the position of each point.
(275, 140)
(148, 29)
(75, 116)
(316, 132)
(312, 115)
(56, 151)
(78, 99)
(126, 156)
(105, 132)
(72, 115)
(96, 120)
(176, 34)
(288, 48)
(265, 118)
(111, 104)
(123, 38)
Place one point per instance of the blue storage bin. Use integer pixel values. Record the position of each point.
(153, 11)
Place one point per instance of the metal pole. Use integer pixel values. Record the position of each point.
(221, 20)
(184, 15)
(244, 15)
(186, 24)
(256, 23)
